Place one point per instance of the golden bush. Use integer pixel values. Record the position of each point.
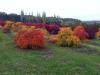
(97, 35)
(67, 38)
(7, 27)
(17, 26)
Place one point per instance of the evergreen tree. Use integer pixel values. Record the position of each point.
(44, 17)
(22, 16)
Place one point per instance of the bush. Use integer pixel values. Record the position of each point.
(37, 39)
(19, 37)
(7, 26)
(39, 25)
(97, 35)
(17, 26)
(29, 39)
(21, 26)
(80, 32)
(27, 27)
(91, 30)
(73, 41)
(45, 33)
(52, 29)
(53, 39)
(2, 23)
(66, 38)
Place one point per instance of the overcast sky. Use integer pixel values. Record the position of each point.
(80, 9)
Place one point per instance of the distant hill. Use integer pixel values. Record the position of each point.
(91, 22)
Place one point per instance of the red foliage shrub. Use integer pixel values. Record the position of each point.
(18, 35)
(23, 42)
(37, 39)
(91, 30)
(52, 29)
(39, 25)
(80, 32)
(2, 23)
(28, 23)
(29, 39)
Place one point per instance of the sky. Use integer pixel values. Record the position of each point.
(79, 9)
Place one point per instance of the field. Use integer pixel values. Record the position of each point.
(53, 60)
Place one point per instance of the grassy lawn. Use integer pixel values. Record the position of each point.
(53, 60)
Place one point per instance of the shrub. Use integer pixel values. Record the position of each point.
(37, 39)
(68, 30)
(24, 27)
(19, 37)
(17, 26)
(5, 29)
(7, 26)
(28, 24)
(91, 30)
(2, 23)
(97, 35)
(29, 39)
(73, 41)
(80, 32)
(45, 32)
(21, 26)
(39, 25)
(66, 38)
(52, 29)
(53, 39)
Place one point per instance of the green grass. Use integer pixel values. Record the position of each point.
(55, 61)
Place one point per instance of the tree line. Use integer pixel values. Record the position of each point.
(36, 19)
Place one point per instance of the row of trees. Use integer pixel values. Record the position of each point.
(36, 19)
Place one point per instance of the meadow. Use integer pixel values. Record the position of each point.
(51, 60)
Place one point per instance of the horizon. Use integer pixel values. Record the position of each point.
(85, 10)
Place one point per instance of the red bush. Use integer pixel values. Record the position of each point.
(52, 29)
(37, 39)
(29, 39)
(39, 25)
(23, 42)
(2, 23)
(80, 32)
(91, 30)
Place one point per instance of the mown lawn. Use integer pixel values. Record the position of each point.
(53, 60)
